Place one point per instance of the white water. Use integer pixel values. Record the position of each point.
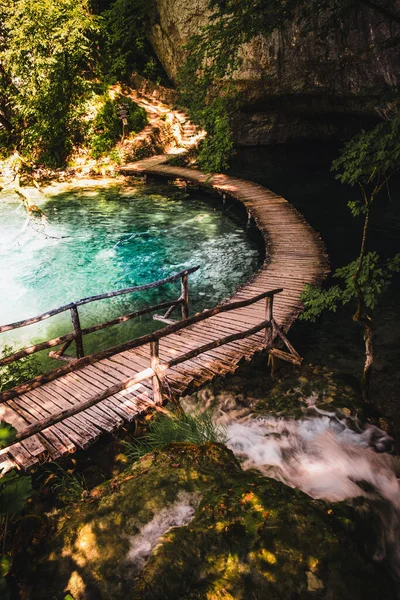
(179, 513)
(327, 457)
(321, 455)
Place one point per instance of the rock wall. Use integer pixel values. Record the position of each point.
(294, 86)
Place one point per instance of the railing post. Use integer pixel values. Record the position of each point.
(268, 316)
(185, 296)
(154, 364)
(77, 330)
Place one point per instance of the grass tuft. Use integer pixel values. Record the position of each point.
(197, 428)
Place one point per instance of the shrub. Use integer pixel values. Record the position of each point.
(106, 128)
(17, 372)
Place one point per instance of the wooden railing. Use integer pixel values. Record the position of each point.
(77, 334)
(157, 369)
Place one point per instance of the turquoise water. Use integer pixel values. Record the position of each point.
(100, 240)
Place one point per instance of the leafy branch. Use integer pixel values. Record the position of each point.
(368, 161)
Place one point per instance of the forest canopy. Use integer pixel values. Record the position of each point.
(55, 54)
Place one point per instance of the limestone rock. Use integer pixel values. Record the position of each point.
(294, 86)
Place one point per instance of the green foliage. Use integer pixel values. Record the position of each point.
(106, 128)
(216, 149)
(374, 278)
(17, 372)
(197, 428)
(7, 434)
(127, 46)
(47, 49)
(69, 487)
(5, 566)
(15, 489)
(370, 159)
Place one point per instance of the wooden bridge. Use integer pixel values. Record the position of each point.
(71, 407)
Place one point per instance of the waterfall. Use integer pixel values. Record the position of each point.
(328, 456)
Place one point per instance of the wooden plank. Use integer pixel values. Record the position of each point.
(94, 418)
(31, 413)
(126, 410)
(80, 423)
(61, 403)
(32, 446)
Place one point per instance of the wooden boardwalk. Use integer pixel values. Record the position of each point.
(295, 257)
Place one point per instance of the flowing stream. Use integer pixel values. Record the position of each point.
(327, 455)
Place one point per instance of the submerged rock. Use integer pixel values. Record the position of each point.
(188, 523)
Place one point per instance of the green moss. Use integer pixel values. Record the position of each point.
(313, 386)
(251, 537)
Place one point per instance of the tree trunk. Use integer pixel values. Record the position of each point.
(369, 357)
(361, 315)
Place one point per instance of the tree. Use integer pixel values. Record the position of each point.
(368, 161)
(47, 49)
(127, 47)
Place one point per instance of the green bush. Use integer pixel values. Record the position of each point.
(106, 128)
(16, 372)
(216, 149)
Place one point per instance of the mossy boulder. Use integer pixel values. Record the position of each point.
(312, 386)
(247, 537)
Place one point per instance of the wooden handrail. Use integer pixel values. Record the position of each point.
(132, 315)
(137, 288)
(78, 333)
(70, 337)
(36, 348)
(140, 341)
(217, 343)
(155, 371)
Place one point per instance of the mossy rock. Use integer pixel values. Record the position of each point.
(313, 386)
(250, 537)
(288, 395)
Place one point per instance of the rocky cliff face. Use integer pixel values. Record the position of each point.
(294, 86)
